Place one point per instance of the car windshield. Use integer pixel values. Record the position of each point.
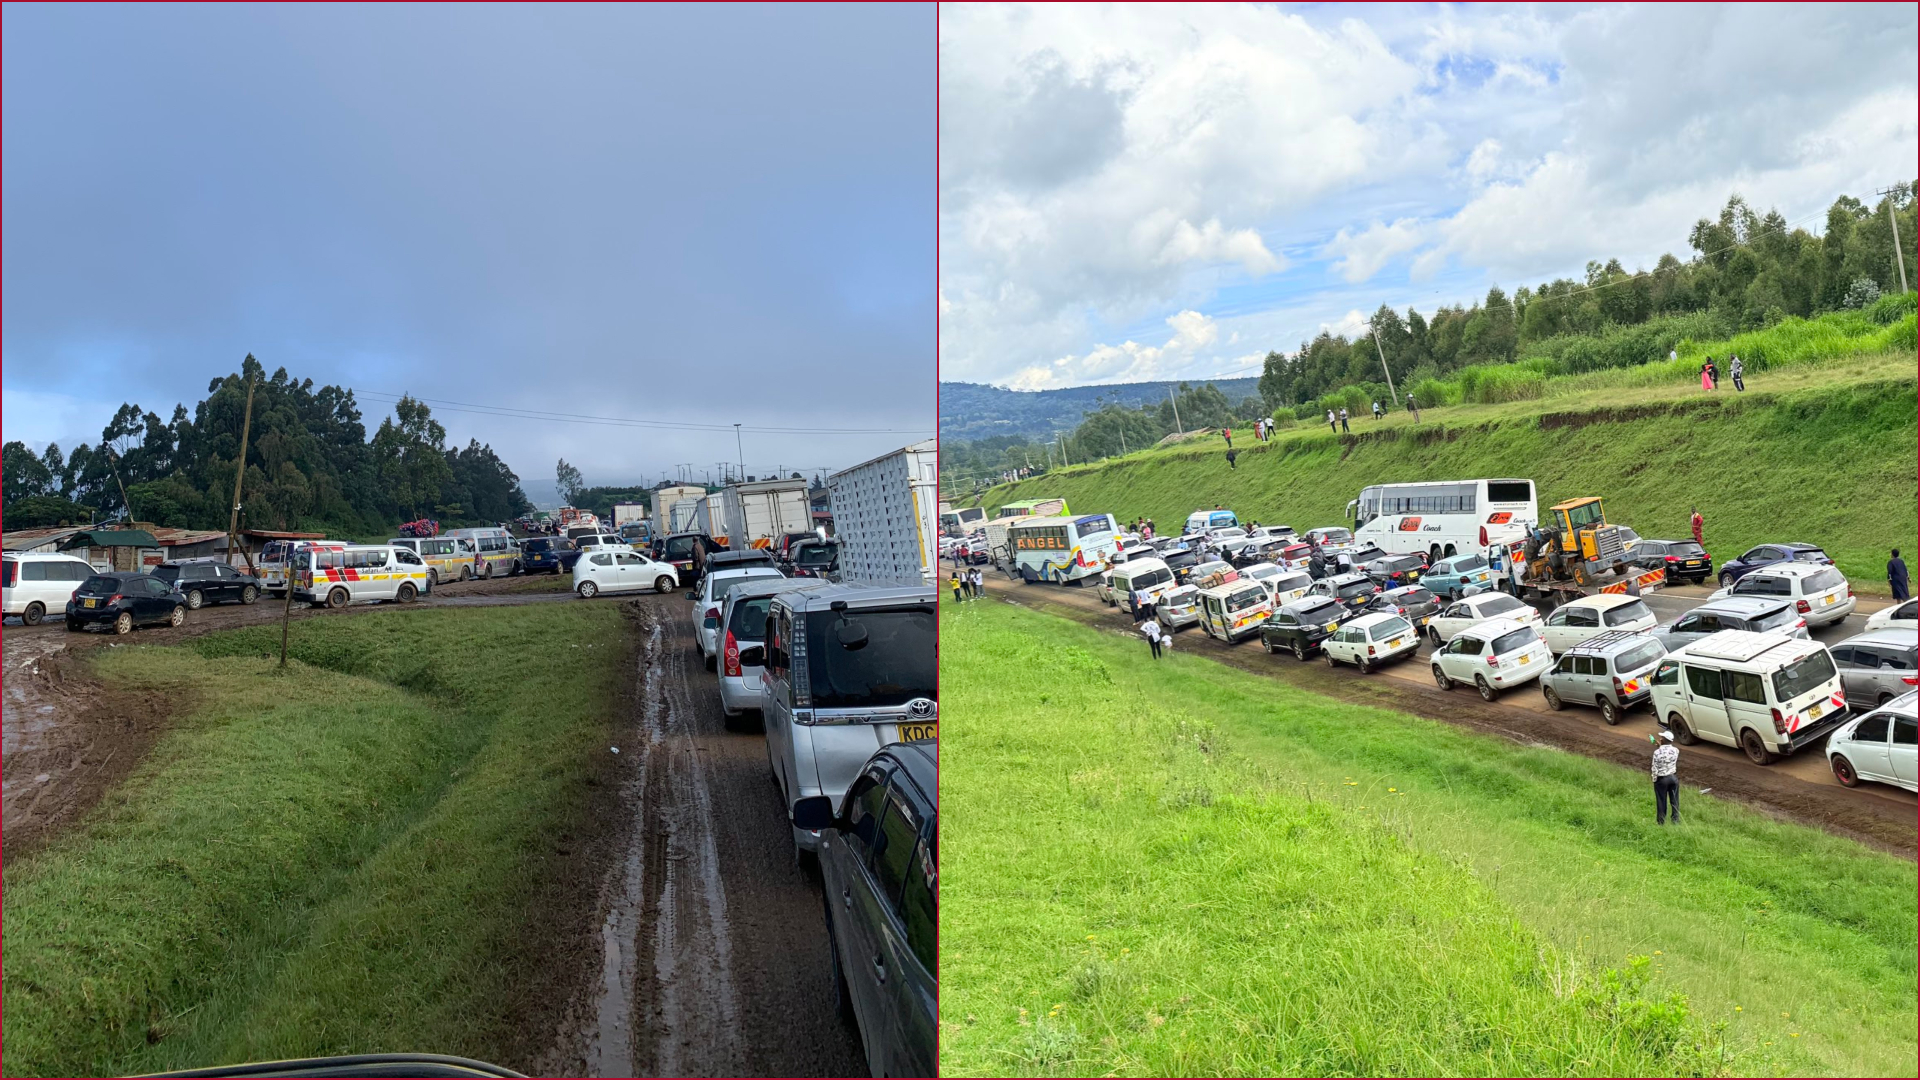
(1400, 562)
(1470, 563)
(1639, 656)
(1415, 595)
(749, 621)
(1182, 595)
(721, 585)
(1151, 578)
(1808, 673)
(1627, 613)
(1335, 536)
(892, 663)
(1821, 580)
(99, 583)
(168, 574)
(1321, 613)
(1498, 605)
(815, 555)
(1775, 620)
(6, 573)
(1249, 597)
(680, 547)
(1355, 588)
(535, 544)
(1686, 549)
(1515, 639)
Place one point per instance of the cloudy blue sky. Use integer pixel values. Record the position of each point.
(697, 214)
(1145, 192)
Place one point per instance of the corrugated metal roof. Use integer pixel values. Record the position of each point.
(22, 539)
(111, 538)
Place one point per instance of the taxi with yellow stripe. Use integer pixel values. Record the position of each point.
(335, 575)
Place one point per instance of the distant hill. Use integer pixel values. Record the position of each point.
(976, 411)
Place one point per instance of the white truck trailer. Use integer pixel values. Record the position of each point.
(682, 514)
(757, 513)
(664, 500)
(884, 517)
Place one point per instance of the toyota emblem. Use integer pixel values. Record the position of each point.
(922, 708)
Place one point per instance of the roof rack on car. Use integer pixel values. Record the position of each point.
(1611, 637)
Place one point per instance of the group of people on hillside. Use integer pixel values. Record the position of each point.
(969, 584)
(1710, 373)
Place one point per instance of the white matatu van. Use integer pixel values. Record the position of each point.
(1768, 694)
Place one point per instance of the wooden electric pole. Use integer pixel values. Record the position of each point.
(1899, 259)
(111, 460)
(239, 473)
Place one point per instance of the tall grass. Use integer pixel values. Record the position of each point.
(1179, 869)
(346, 857)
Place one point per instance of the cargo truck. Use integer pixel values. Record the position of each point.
(757, 513)
(666, 498)
(625, 514)
(884, 517)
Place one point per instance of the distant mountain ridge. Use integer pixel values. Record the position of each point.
(978, 411)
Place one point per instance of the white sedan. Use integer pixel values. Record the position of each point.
(1899, 615)
(1495, 655)
(621, 571)
(1572, 623)
(1470, 610)
(1371, 640)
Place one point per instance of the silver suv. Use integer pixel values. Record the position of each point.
(1878, 666)
(1762, 614)
(848, 669)
(1613, 671)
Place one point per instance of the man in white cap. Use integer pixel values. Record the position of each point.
(1666, 785)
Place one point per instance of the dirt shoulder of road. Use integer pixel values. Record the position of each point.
(1885, 824)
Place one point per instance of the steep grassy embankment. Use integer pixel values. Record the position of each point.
(1824, 457)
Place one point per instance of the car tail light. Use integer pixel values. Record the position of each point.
(1399, 611)
(1618, 686)
(1800, 624)
(1673, 558)
(1849, 592)
(732, 654)
(712, 613)
(1369, 650)
(1483, 536)
(1802, 606)
(1911, 680)
(1493, 661)
(116, 598)
(1779, 722)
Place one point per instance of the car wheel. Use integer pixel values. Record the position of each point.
(123, 623)
(177, 617)
(406, 592)
(73, 625)
(1268, 645)
(338, 598)
(1884, 698)
(195, 599)
(1299, 650)
(1440, 678)
(663, 584)
(1726, 579)
(1610, 712)
(1757, 751)
(588, 590)
(1365, 665)
(249, 594)
(1553, 699)
(1682, 734)
(1331, 662)
(433, 576)
(34, 613)
(1433, 635)
(1844, 771)
(486, 572)
(1487, 692)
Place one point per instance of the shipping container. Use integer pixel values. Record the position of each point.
(884, 517)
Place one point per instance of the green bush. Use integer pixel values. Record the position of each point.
(1888, 309)
(1433, 392)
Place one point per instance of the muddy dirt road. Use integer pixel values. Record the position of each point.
(1799, 789)
(712, 939)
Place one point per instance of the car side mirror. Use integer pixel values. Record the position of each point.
(814, 813)
(753, 656)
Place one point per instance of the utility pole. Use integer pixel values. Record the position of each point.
(124, 501)
(1391, 392)
(239, 472)
(1893, 219)
(1063, 449)
(1176, 412)
(739, 450)
(286, 618)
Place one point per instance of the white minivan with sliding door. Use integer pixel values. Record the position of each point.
(1148, 575)
(35, 583)
(1767, 694)
(848, 669)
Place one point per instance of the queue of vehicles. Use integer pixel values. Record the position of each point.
(1469, 565)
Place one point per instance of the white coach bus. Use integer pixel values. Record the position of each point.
(1443, 518)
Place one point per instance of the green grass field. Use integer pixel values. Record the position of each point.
(1181, 869)
(356, 855)
(1821, 454)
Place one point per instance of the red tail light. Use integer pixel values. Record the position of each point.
(1369, 650)
(1493, 661)
(116, 598)
(1849, 592)
(1779, 722)
(1483, 536)
(1912, 680)
(1802, 606)
(1673, 558)
(732, 655)
(1618, 686)
(712, 613)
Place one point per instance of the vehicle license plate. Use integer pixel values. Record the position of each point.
(1825, 600)
(1331, 627)
(1395, 643)
(1813, 712)
(1524, 657)
(918, 732)
(93, 603)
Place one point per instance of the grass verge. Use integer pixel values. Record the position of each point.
(364, 853)
(1822, 455)
(1181, 869)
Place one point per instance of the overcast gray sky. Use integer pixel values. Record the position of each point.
(700, 214)
(1169, 191)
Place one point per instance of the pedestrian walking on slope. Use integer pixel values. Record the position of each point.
(1738, 370)
(1152, 630)
(1413, 407)
(1666, 781)
(1699, 524)
(979, 582)
(1343, 419)
(1333, 423)
(1376, 410)
(1231, 454)
(1897, 576)
(1228, 432)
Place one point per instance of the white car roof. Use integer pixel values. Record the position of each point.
(1262, 569)
(1743, 646)
(1493, 628)
(1481, 600)
(1790, 569)
(1372, 618)
(1603, 601)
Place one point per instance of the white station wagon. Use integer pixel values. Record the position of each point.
(1371, 640)
(1819, 593)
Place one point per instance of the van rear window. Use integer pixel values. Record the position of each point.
(1626, 613)
(1803, 676)
(895, 664)
(1822, 580)
(1514, 639)
(6, 573)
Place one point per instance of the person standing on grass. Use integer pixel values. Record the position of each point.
(1152, 630)
(1231, 455)
(1376, 410)
(1738, 371)
(1228, 432)
(1333, 422)
(1699, 525)
(958, 589)
(1343, 419)
(1897, 576)
(1414, 408)
(1666, 779)
(978, 581)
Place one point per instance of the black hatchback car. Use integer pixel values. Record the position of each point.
(209, 583)
(879, 870)
(1301, 626)
(1679, 558)
(1395, 570)
(1412, 602)
(123, 601)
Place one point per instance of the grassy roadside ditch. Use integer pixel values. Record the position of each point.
(1182, 869)
(365, 853)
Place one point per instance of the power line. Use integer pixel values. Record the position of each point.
(388, 397)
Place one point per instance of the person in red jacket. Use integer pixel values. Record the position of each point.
(1698, 524)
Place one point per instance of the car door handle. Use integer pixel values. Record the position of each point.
(880, 967)
(846, 897)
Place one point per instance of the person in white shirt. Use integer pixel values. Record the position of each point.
(1152, 630)
(1666, 782)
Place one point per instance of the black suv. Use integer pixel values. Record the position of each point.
(1395, 570)
(879, 871)
(1679, 558)
(123, 601)
(1301, 626)
(209, 582)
